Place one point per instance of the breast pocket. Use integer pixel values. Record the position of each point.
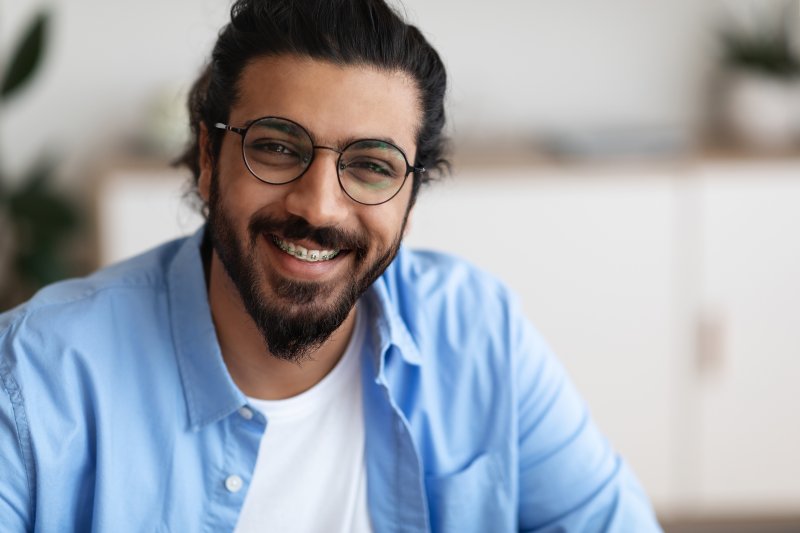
(474, 499)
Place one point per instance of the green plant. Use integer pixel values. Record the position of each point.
(766, 47)
(35, 219)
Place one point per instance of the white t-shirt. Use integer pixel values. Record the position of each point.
(310, 474)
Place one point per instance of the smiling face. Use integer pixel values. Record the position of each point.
(299, 255)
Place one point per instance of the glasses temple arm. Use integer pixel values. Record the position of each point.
(222, 126)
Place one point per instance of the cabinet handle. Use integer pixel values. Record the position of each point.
(710, 345)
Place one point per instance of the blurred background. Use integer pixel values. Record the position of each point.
(631, 168)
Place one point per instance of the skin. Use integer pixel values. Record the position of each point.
(336, 104)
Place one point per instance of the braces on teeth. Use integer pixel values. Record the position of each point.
(304, 254)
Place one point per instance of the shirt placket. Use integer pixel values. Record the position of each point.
(241, 433)
(395, 488)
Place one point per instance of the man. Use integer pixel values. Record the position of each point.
(291, 367)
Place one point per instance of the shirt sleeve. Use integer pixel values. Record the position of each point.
(570, 479)
(15, 495)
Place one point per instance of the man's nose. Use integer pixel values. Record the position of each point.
(317, 196)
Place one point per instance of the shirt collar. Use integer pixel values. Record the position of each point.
(209, 390)
(384, 301)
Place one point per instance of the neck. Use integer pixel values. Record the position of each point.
(256, 372)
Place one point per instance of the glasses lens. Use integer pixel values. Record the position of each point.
(371, 172)
(276, 150)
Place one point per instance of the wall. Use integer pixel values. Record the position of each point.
(105, 62)
(518, 67)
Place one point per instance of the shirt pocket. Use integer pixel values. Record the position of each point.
(473, 499)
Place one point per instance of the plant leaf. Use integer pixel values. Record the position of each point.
(46, 214)
(26, 58)
(42, 219)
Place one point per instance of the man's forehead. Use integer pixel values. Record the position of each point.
(330, 98)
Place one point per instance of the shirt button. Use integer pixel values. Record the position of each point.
(233, 483)
(246, 413)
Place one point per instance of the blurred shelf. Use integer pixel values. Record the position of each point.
(472, 158)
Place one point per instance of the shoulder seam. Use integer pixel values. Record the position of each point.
(83, 295)
(14, 392)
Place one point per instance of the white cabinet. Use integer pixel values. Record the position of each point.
(748, 390)
(140, 206)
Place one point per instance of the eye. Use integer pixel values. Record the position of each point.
(371, 166)
(364, 173)
(271, 146)
(374, 163)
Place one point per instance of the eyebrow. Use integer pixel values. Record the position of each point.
(350, 140)
(297, 130)
(285, 127)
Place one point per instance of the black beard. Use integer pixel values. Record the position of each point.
(295, 324)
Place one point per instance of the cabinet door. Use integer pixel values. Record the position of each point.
(593, 257)
(749, 381)
(138, 208)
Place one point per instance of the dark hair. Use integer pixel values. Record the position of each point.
(345, 32)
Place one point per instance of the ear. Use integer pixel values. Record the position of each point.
(206, 165)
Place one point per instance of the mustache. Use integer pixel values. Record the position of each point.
(297, 228)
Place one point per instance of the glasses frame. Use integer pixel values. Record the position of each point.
(242, 132)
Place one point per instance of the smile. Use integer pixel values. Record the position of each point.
(304, 254)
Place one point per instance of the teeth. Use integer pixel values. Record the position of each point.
(311, 256)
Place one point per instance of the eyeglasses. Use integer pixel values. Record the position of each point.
(278, 151)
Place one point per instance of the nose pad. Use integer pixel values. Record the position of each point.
(316, 195)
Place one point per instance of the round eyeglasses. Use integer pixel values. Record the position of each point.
(278, 151)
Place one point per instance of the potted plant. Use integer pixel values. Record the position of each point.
(35, 219)
(761, 73)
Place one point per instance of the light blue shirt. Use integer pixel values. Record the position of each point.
(117, 412)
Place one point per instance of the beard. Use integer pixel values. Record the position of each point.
(299, 316)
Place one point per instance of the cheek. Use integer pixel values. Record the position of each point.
(242, 195)
(385, 222)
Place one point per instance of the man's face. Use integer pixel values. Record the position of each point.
(295, 302)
